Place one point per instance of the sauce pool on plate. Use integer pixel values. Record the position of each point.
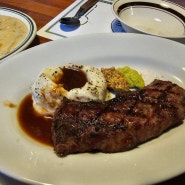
(33, 124)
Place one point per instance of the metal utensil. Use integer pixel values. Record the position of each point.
(74, 21)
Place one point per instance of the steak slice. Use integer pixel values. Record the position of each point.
(119, 124)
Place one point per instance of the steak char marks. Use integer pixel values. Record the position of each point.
(119, 124)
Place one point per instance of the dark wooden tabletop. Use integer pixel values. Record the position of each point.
(43, 11)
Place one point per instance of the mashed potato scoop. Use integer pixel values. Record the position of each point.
(54, 83)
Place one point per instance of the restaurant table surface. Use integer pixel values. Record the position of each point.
(43, 11)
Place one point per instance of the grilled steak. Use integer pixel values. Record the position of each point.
(119, 124)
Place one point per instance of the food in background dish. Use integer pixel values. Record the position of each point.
(12, 32)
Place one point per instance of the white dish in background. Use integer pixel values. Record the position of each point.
(160, 18)
(29, 161)
(30, 25)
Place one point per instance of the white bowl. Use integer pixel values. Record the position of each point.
(159, 18)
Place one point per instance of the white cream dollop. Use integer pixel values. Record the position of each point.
(95, 87)
(47, 91)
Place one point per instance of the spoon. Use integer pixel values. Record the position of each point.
(74, 21)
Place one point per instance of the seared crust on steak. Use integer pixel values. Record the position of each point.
(119, 124)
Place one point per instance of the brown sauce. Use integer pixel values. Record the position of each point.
(68, 78)
(33, 124)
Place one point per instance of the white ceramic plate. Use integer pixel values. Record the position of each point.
(29, 161)
(30, 25)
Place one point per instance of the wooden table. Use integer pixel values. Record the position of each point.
(42, 11)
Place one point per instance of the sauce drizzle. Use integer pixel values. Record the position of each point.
(73, 78)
